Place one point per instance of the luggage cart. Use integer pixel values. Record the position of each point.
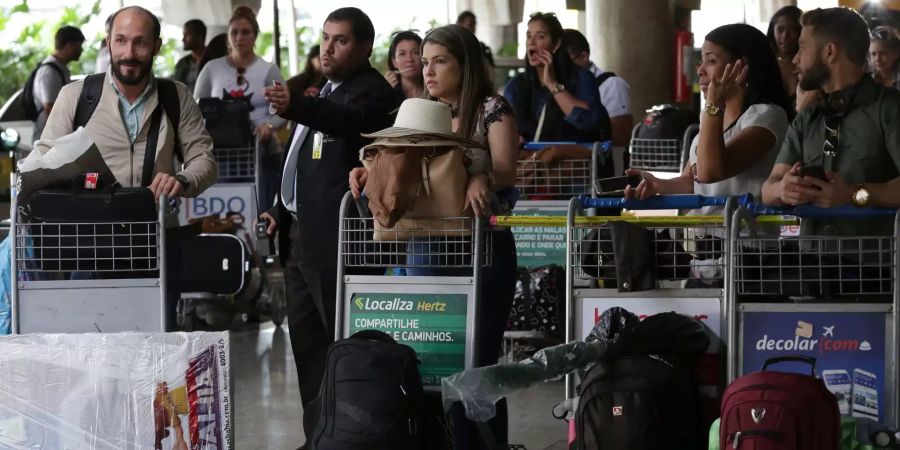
(661, 155)
(834, 298)
(546, 190)
(690, 265)
(130, 256)
(433, 314)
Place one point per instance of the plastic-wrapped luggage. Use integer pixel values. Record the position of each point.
(539, 301)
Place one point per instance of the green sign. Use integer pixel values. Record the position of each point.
(540, 246)
(434, 325)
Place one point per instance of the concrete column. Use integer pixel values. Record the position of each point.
(634, 39)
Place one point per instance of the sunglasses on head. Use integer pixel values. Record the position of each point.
(883, 33)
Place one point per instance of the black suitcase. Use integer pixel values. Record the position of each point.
(214, 263)
(88, 230)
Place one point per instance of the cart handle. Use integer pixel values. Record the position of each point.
(684, 201)
(813, 212)
(605, 146)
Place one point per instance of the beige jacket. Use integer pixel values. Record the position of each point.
(107, 130)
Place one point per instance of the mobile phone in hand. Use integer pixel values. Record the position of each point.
(262, 237)
(617, 184)
(273, 108)
(814, 171)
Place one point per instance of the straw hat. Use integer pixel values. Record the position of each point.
(421, 123)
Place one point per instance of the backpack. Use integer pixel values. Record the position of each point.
(92, 90)
(31, 110)
(666, 122)
(371, 396)
(768, 410)
(599, 80)
(639, 403)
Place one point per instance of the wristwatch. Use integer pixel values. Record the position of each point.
(559, 88)
(183, 180)
(713, 110)
(860, 197)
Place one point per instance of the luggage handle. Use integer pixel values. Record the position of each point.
(792, 358)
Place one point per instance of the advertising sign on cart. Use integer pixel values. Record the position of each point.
(538, 246)
(434, 325)
(705, 309)
(220, 199)
(849, 347)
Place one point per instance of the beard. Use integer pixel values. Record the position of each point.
(815, 77)
(131, 80)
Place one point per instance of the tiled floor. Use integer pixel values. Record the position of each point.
(268, 410)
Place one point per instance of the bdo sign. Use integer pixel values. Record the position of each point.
(220, 199)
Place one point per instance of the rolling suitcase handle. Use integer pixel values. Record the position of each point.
(792, 358)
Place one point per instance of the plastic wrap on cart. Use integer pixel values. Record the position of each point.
(116, 391)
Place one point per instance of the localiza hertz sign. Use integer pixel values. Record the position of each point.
(434, 325)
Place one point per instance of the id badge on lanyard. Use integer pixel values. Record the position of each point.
(318, 139)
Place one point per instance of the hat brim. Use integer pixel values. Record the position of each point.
(432, 142)
(416, 135)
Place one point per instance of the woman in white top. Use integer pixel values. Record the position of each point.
(243, 75)
(742, 126)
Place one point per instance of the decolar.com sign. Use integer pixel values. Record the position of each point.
(849, 349)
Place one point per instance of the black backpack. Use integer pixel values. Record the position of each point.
(92, 90)
(666, 122)
(639, 403)
(371, 396)
(31, 110)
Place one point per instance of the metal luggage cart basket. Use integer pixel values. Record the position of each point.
(432, 307)
(238, 164)
(437, 243)
(88, 277)
(820, 295)
(561, 180)
(688, 254)
(663, 155)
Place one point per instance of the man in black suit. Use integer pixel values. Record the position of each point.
(324, 148)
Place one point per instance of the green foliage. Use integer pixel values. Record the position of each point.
(35, 42)
(510, 49)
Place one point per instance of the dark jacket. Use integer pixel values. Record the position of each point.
(362, 104)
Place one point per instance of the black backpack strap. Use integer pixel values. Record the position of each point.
(89, 99)
(168, 97)
(150, 150)
(603, 77)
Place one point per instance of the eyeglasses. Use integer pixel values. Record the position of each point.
(240, 76)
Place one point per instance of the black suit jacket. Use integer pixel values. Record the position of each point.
(362, 104)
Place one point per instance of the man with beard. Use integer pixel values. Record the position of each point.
(194, 41)
(853, 132)
(127, 107)
(53, 74)
(322, 151)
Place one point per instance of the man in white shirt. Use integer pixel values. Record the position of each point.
(615, 94)
(53, 74)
